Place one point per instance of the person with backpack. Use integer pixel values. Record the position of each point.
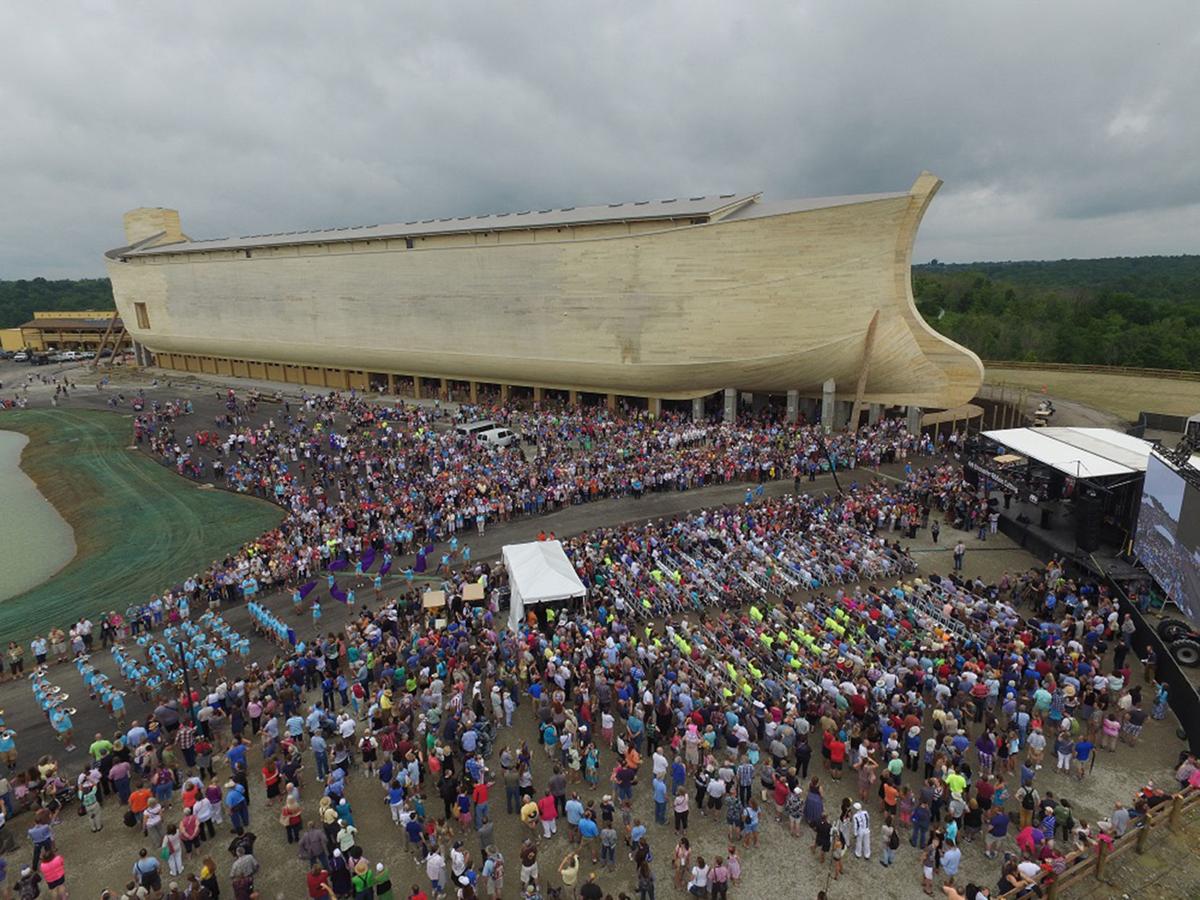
(1027, 797)
(145, 871)
(889, 835)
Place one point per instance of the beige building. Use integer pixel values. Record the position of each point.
(65, 330)
(669, 299)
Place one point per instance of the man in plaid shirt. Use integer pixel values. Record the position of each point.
(185, 740)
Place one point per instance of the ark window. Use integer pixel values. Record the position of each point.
(143, 319)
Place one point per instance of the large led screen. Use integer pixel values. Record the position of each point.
(1168, 534)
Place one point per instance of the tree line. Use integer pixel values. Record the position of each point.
(1124, 311)
(19, 299)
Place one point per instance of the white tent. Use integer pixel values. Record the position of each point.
(538, 572)
(1080, 452)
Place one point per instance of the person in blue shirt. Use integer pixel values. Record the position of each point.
(60, 719)
(588, 829)
(239, 811)
(678, 774)
(636, 729)
(237, 755)
(660, 800)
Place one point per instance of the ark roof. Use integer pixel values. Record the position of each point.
(723, 206)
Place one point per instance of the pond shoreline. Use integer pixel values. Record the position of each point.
(33, 529)
(139, 528)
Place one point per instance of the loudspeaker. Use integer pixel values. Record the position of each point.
(1057, 482)
(1088, 515)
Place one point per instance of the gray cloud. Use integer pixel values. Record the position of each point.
(1061, 129)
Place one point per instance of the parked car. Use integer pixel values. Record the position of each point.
(20, 356)
(497, 437)
(473, 429)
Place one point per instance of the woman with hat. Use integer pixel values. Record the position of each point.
(363, 881)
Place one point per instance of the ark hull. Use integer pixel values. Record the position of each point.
(764, 299)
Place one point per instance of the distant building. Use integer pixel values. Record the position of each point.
(667, 299)
(65, 330)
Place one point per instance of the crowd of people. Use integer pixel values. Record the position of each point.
(747, 664)
(353, 476)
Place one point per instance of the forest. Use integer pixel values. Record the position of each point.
(1124, 311)
(18, 299)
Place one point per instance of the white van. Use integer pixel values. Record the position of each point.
(476, 428)
(497, 437)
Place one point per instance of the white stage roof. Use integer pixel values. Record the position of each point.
(1079, 452)
(538, 572)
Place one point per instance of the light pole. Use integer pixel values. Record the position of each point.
(187, 683)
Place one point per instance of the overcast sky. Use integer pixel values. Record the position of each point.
(1060, 129)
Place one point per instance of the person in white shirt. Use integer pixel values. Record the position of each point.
(660, 762)
(861, 821)
(698, 886)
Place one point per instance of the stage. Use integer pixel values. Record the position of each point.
(1023, 523)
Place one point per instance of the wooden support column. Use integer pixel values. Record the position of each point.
(573, 397)
(868, 346)
(537, 395)
(112, 323)
(654, 404)
(391, 383)
(444, 390)
(503, 393)
(610, 400)
(474, 391)
(416, 387)
(117, 346)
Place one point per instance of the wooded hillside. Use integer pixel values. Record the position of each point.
(18, 299)
(1125, 311)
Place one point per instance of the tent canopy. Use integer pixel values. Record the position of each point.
(1079, 452)
(538, 572)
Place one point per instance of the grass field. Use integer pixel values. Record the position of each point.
(139, 528)
(1124, 395)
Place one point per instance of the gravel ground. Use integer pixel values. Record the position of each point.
(780, 865)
